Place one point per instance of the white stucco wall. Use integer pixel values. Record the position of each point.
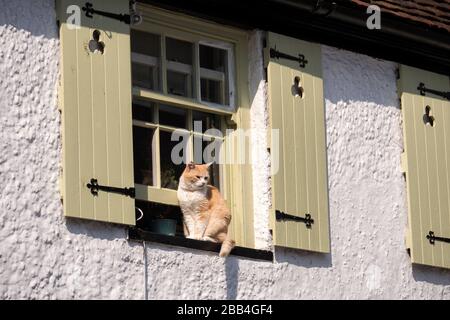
(44, 255)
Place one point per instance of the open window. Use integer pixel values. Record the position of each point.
(189, 90)
(194, 77)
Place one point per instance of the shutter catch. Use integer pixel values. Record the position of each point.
(432, 238)
(307, 220)
(422, 89)
(95, 188)
(275, 54)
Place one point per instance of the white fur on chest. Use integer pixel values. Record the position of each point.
(190, 200)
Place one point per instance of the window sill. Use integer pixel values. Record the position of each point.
(137, 234)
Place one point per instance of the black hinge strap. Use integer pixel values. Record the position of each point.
(95, 188)
(280, 216)
(275, 54)
(432, 238)
(422, 89)
(90, 11)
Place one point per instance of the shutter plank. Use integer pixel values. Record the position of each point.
(70, 120)
(275, 94)
(113, 129)
(433, 181)
(290, 193)
(125, 116)
(300, 159)
(441, 183)
(445, 140)
(422, 166)
(85, 107)
(322, 165)
(311, 162)
(99, 114)
(411, 151)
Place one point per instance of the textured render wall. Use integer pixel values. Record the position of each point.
(43, 255)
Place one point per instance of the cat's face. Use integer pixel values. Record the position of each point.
(196, 176)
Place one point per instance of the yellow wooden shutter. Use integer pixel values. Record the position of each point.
(300, 185)
(426, 128)
(95, 101)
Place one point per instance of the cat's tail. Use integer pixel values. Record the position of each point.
(227, 245)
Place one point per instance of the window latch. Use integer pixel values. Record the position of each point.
(307, 220)
(90, 11)
(422, 89)
(95, 188)
(432, 238)
(275, 54)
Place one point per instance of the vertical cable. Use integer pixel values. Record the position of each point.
(145, 270)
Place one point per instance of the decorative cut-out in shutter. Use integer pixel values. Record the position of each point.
(95, 99)
(426, 128)
(299, 188)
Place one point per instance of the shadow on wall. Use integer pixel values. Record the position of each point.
(94, 229)
(303, 258)
(35, 16)
(355, 82)
(232, 277)
(439, 276)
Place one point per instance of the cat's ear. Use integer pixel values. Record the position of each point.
(209, 164)
(190, 166)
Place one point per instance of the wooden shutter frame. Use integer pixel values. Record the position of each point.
(310, 171)
(426, 163)
(95, 103)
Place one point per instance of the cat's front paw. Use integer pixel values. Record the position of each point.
(190, 237)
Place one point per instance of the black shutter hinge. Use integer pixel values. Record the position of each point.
(432, 238)
(90, 11)
(307, 220)
(422, 89)
(275, 54)
(95, 188)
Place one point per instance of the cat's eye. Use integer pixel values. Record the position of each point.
(198, 177)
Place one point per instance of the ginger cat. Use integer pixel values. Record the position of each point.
(205, 214)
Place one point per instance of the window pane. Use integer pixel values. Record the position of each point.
(213, 91)
(171, 172)
(143, 152)
(172, 116)
(214, 74)
(204, 121)
(179, 84)
(145, 68)
(179, 55)
(214, 174)
(179, 51)
(213, 58)
(143, 110)
(145, 43)
(145, 76)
